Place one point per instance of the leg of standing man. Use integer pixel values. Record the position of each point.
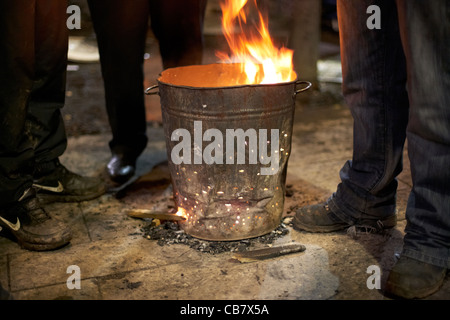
(33, 51)
(121, 28)
(20, 212)
(374, 78)
(44, 125)
(178, 26)
(377, 64)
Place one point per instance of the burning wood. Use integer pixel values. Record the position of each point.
(267, 253)
(160, 215)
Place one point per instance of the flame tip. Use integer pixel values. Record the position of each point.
(263, 62)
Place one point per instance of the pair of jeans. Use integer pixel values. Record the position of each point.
(395, 82)
(33, 62)
(121, 28)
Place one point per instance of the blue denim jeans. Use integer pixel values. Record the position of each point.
(396, 82)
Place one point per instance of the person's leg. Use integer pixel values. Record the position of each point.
(45, 125)
(426, 32)
(178, 25)
(20, 213)
(425, 35)
(374, 78)
(121, 28)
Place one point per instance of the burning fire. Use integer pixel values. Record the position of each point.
(252, 46)
(182, 213)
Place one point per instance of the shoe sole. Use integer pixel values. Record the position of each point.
(388, 223)
(43, 247)
(7, 233)
(299, 226)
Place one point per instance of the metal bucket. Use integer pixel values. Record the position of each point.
(228, 183)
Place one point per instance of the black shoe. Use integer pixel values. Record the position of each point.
(320, 218)
(32, 226)
(62, 185)
(413, 279)
(121, 168)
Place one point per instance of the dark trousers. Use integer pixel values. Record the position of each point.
(33, 60)
(121, 29)
(395, 82)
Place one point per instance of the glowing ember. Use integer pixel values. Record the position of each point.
(262, 62)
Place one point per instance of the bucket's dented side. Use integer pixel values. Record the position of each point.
(228, 150)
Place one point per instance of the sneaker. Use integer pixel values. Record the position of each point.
(320, 218)
(32, 226)
(62, 185)
(413, 279)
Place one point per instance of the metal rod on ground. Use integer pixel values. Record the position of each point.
(267, 253)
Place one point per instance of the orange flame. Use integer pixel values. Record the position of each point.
(262, 62)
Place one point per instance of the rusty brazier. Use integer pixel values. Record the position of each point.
(228, 199)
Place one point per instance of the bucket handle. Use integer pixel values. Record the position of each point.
(147, 91)
(307, 83)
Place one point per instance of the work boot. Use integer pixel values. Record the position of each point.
(320, 218)
(55, 183)
(32, 226)
(413, 279)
